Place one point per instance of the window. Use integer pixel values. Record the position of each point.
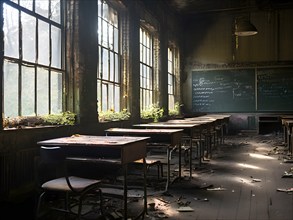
(146, 69)
(173, 72)
(33, 63)
(108, 77)
(171, 79)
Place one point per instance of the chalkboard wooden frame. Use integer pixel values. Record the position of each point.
(259, 89)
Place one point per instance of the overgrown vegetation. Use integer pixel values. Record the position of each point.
(175, 111)
(64, 118)
(111, 115)
(153, 112)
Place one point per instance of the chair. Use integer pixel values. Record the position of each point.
(71, 195)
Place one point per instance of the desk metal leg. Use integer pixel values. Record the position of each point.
(179, 161)
(190, 157)
(168, 167)
(125, 190)
(145, 186)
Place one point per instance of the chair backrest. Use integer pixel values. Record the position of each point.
(52, 162)
(52, 154)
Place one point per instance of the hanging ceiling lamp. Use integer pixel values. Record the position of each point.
(243, 27)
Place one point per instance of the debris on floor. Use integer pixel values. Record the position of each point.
(288, 190)
(255, 180)
(185, 209)
(287, 174)
(217, 189)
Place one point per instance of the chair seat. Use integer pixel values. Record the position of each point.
(78, 183)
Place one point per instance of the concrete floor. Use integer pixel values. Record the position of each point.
(239, 182)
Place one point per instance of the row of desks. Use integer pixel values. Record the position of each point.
(130, 144)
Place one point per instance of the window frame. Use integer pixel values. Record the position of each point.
(35, 65)
(109, 86)
(146, 69)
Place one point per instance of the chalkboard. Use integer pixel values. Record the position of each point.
(275, 89)
(223, 90)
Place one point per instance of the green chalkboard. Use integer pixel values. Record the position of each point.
(275, 89)
(230, 90)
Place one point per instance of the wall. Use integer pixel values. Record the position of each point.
(211, 44)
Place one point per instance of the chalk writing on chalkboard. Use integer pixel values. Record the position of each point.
(223, 90)
(275, 89)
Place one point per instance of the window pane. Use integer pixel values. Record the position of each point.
(56, 92)
(11, 32)
(99, 95)
(100, 69)
(111, 37)
(56, 47)
(42, 8)
(28, 37)
(104, 34)
(104, 97)
(105, 65)
(111, 96)
(43, 43)
(105, 11)
(117, 69)
(117, 98)
(111, 66)
(42, 92)
(55, 11)
(116, 40)
(100, 30)
(27, 4)
(10, 80)
(28, 91)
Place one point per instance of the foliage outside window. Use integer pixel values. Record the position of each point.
(64, 118)
(153, 112)
(111, 115)
(176, 110)
(108, 76)
(32, 69)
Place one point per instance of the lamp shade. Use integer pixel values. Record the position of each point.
(245, 28)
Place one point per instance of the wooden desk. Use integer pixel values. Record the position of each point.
(285, 118)
(127, 149)
(188, 128)
(224, 122)
(288, 123)
(203, 126)
(168, 138)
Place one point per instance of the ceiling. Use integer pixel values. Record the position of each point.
(195, 7)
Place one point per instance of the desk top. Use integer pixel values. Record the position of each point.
(191, 121)
(143, 131)
(89, 140)
(167, 125)
(288, 122)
